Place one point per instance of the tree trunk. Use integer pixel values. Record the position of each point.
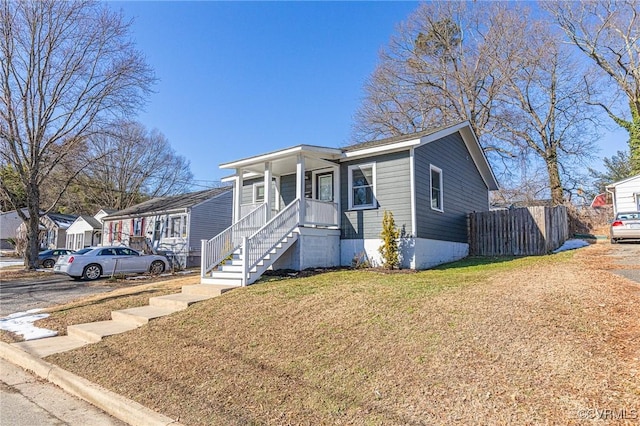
(33, 227)
(634, 139)
(557, 195)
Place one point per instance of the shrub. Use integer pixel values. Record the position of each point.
(389, 248)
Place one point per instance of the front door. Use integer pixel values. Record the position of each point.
(324, 186)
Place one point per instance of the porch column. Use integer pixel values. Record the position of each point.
(336, 193)
(237, 195)
(267, 190)
(300, 186)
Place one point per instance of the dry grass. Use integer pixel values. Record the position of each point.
(509, 341)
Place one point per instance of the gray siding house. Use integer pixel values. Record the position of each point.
(171, 225)
(310, 206)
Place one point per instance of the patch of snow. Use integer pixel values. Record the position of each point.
(22, 323)
(571, 245)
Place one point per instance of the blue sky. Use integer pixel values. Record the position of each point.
(238, 79)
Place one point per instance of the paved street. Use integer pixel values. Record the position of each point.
(43, 290)
(27, 401)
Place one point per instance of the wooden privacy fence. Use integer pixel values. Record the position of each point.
(520, 232)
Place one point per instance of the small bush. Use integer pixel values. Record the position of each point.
(389, 248)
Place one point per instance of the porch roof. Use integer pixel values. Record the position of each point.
(284, 161)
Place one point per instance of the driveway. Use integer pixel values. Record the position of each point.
(627, 256)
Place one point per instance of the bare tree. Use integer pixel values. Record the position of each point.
(133, 164)
(608, 32)
(67, 69)
(544, 109)
(495, 64)
(442, 66)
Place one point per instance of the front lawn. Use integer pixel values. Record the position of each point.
(502, 341)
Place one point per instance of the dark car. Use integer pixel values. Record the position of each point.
(48, 258)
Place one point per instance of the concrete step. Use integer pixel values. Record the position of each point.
(209, 289)
(226, 282)
(141, 315)
(177, 301)
(51, 345)
(94, 331)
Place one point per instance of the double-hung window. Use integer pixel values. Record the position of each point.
(176, 224)
(436, 188)
(362, 186)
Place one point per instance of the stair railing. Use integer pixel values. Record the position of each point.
(256, 247)
(218, 248)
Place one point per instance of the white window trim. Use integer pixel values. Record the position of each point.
(637, 194)
(350, 186)
(314, 184)
(255, 192)
(439, 171)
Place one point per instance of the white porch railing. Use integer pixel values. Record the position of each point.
(256, 247)
(323, 213)
(248, 208)
(245, 209)
(222, 245)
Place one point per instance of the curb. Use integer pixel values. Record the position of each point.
(110, 402)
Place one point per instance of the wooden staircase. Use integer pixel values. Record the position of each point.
(236, 257)
(230, 272)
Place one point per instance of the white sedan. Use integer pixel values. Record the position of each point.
(94, 262)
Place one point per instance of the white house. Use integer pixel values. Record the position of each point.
(626, 194)
(86, 231)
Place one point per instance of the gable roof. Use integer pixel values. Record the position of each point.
(623, 181)
(62, 221)
(92, 221)
(398, 143)
(318, 156)
(392, 140)
(166, 204)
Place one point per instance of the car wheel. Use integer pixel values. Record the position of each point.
(48, 263)
(92, 272)
(157, 267)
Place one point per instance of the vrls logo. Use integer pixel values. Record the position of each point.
(608, 414)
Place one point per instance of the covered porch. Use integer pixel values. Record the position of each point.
(307, 173)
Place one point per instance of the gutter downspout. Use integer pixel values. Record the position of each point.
(613, 193)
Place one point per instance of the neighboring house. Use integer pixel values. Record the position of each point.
(9, 223)
(53, 230)
(600, 200)
(325, 205)
(626, 194)
(86, 231)
(174, 225)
